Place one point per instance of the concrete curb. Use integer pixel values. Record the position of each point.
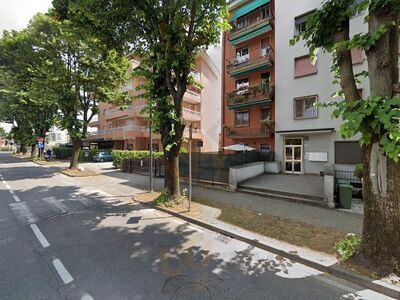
(333, 270)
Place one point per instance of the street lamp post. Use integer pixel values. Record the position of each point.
(190, 165)
(151, 155)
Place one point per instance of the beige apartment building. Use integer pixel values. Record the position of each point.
(128, 129)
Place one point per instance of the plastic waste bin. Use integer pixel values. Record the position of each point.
(345, 195)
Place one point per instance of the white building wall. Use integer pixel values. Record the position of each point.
(288, 87)
(211, 100)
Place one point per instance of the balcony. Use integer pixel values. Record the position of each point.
(192, 95)
(258, 95)
(242, 66)
(118, 133)
(243, 133)
(94, 122)
(191, 115)
(251, 25)
(197, 134)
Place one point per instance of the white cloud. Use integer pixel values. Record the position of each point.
(15, 14)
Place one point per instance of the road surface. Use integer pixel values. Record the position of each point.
(71, 238)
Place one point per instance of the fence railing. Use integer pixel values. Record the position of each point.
(208, 167)
(347, 175)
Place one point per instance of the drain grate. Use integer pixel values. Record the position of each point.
(133, 220)
(223, 239)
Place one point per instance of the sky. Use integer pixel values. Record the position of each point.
(15, 14)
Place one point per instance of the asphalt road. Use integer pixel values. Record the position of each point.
(70, 238)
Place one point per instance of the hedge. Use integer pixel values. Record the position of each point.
(119, 155)
(65, 153)
(5, 148)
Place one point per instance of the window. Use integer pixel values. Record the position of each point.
(265, 47)
(265, 12)
(348, 152)
(303, 67)
(242, 85)
(265, 79)
(300, 23)
(242, 55)
(356, 56)
(304, 108)
(58, 136)
(241, 118)
(243, 22)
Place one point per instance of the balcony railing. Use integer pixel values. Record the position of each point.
(192, 114)
(242, 65)
(242, 133)
(251, 22)
(123, 128)
(250, 94)
(195, 74)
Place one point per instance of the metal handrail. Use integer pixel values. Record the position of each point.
(250, 93)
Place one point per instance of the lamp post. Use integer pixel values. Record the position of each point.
(151, 155)
(190, 165)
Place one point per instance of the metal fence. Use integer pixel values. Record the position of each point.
(347, 175)
(210, 167)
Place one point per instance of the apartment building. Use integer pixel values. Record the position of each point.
(128, 129)
(306, 137)
(248, 75)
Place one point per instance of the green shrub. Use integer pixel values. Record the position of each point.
(183, 150)
(66, 152)
(119, 155)
(5, 148)
(358, 171)
(348, 247)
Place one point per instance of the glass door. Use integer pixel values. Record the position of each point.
(294, 156)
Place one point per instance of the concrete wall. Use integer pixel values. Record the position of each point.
(241, 173)
(288, 87)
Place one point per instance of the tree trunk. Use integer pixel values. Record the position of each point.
(171, 183)
(76, 148)
(381, 195)
(381, 175)
(23, 149)
(171, 158)
(33, 150)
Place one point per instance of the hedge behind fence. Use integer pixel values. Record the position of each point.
(65, 153)
(119, 155)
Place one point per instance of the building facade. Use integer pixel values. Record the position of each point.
(128, 129)
(248, 75)
(306, 137)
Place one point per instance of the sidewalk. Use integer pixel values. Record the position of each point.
(317, 216)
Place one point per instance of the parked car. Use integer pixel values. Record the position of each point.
(103, 156)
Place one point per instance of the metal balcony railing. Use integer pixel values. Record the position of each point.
(237, 132)
(261, 15)
(265, 55)
(250, 94)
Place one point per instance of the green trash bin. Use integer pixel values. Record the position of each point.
(345, 195)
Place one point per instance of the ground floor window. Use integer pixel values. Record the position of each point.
(347, 152)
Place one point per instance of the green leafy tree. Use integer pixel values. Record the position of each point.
(82, 71)
(166, 35)
(25, 100)
(377, 117)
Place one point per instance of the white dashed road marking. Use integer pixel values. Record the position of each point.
(16, 198)
(62, 271)
(40, 236)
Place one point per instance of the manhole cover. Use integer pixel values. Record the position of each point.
(186, 287)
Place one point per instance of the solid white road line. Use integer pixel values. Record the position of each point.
(40, 236)
(62, 271)
(16, 198)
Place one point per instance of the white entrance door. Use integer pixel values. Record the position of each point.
(294, 155)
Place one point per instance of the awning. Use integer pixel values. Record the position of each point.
(248, 8)
(250, 34)
(306, 131)
(238, 147)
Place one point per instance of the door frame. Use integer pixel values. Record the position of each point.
(302, 155)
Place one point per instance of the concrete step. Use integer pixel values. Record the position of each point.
(302, 200)
(280, 193)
